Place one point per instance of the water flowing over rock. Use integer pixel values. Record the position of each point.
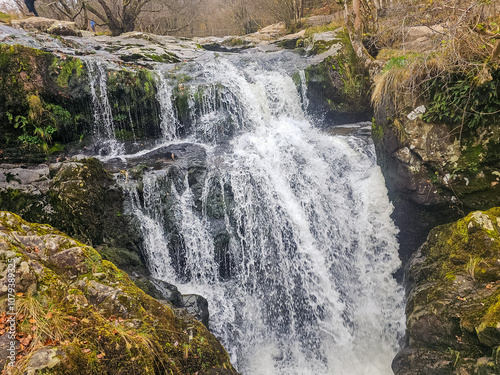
(283, 229)
(239, 197)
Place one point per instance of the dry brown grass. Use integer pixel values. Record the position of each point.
(463, 42)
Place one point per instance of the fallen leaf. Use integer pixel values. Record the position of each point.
(26, 340)
(86, 350)
(50, 342)
(20, 294)
(32, 321)
(101, 355)
(34, 328)
(49, 315)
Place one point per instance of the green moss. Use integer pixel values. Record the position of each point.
(166, 57)
(464, 250)
(66, 69)
(377, 131)
(321, 29)
(135, 108)
(125, 333)
(450, 276)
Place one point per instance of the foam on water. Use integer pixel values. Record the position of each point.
(310, 250)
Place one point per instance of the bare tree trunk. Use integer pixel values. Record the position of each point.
(346, 12)
(357, 17)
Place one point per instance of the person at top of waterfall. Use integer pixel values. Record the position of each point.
(30, 4)
(92, 25)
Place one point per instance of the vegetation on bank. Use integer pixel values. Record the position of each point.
(452, 67)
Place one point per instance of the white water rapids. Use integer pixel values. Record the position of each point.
(306, 286)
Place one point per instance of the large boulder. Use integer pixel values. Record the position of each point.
(77, 196)
(77, 313)
(47, 25)
(337, 81)
(453, 309)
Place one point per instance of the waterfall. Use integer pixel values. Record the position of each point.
(101, 109)
(303, 90)
(168, 115)
(284, 229)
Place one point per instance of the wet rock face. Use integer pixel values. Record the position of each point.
(167, 172)
(453, 309)
(197, 306)
(77, 312)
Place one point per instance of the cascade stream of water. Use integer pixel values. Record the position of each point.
(104, 129)
(284, 229)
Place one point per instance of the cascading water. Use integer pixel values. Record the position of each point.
(103, 117)
(168, 114)
(284, 229)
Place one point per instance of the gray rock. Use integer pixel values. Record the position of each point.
(169, 292)
(47, 25)
(28, 179)
(197, 306)
(489, 335)
(43, 359)
(71, 262)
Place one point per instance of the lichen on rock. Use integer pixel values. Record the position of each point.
(453, 309)
(77, 313)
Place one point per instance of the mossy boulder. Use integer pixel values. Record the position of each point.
(78, 197)
(77, 313)
(337, 84)
(453, 309)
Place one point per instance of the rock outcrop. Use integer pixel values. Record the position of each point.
(453, 309)
(437, 168)
(47, 25)
(77, 313)
(78, 197)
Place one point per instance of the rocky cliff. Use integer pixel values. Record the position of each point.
(436, 132)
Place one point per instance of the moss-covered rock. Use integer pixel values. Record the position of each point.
(77, 313)
(453, 309)
(40, 107)
(80, 198)
(338, 84)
